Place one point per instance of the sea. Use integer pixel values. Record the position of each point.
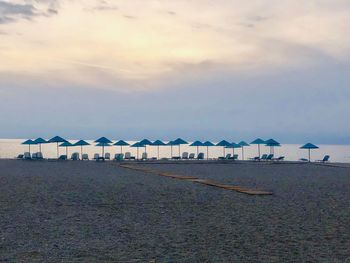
(11, 148)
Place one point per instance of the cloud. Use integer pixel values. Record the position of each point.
(12, 12)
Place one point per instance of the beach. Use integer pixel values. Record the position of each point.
(100, 212)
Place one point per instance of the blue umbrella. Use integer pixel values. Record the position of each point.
(121, 143)
(243, 144)
(309, 146)
(81, 143)
(272, 143)
(179, 142)
(158, 143)
(29, 143)
(208, 144)
(40, 141)
(57, 140)
(258, 142)
(102, 142)
(66, 144)
(223, 144)
(233, 146)
(137, 145)
(197, 144)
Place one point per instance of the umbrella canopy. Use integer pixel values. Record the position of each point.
(272, 143)
(158, 143)
(81, 143)
(29, 143)
(258, 141)
(243, 144)
(146, 142)
(57, 140)
(208, 144)
(197, 144)
(40, 141)
(223, 144)
(179, 142)
(137, 145)
(309, 147)
(66, 144)
(121, 143)
(103, 140)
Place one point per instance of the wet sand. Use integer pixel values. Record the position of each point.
(99, 212)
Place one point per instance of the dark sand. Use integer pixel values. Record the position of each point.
(88, 212)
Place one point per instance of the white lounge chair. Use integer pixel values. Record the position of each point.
(128, 156)
(27, 156)
(118, 157)
(144, 156)
(85, 156)
(107, 156)
(184, 155)
(96, 156)
(200, 156)
(39, 155)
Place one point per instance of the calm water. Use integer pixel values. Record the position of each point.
(9, 148)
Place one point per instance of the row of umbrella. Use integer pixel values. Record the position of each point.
(105, 142)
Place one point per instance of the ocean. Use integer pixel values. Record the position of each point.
(10, 148)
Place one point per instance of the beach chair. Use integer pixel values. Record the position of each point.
(85, 156)
(324, 160)
(107, 156)
(303, 160)
(269, 157)
(39, 156)
(144, 156)
(255, 158)
(96, 156)
(184, 156)
(263, 157)
(227, 157)
(62, 158)
(281, 158)
(20, 156)
(118, 157)
(75, 156)
(128, 156)
(34, 156)
(191, 156)
(200, 156)
(27, 156)
(234, 157)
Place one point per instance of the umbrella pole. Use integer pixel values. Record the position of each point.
(224, 151)
(81, 151)
(259, 150)
(243, 153)
(57, 150)
(158, 152)
(121, 149)
(207, 153)
(171, 152)
(29, 148)
(309, 156)
(67, 152)
(197, 150)
(40, 147)
(137, 153)
(179, 150)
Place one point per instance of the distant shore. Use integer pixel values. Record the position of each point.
(98, 211)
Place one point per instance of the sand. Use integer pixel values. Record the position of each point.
(99, 212)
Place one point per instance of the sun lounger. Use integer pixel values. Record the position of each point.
(185, 155)
(144, 156)
(281, 158)
(96, 156)
(107, 156)
(118, 157)
(263, 157)
(255, 158)
(303, 160)
(20, 156)
(234, 157)
(85, 156)
(227, 157)
(128, 156)
(324, 160)
(62, 158)
(39, 156)
(200, 156)
(27, 156)
(75, 156)
(191, 156)
(269, 157)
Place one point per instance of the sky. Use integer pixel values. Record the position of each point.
(161, 69)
